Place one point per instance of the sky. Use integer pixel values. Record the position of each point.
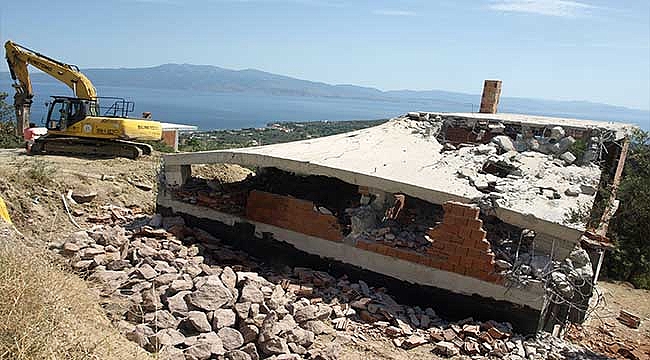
(593, 50)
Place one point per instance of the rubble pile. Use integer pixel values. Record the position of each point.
(184, 302)
(404, 224)
(225, 197)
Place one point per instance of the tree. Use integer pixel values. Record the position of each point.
(8, 138)
(630, 227)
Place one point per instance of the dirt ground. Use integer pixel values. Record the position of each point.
(33, 188)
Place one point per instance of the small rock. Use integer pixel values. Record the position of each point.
(446, 348)
(504, 142)
(223, 318)
(568, 158)
(587, 189)
(211, 296)
(231, 338)
(199, 321)
(251, 293)
(237, 355)
(82, 197)
(275, 345)
(147, 272)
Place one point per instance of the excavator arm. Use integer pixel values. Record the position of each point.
(19, 57)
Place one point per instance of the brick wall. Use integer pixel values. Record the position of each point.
(459, 245)
(292, 214)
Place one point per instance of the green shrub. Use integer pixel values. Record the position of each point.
(630, 225)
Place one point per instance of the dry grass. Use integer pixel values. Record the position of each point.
(46, 313)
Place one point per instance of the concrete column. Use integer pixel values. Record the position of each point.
(177, 175)
(491, 95)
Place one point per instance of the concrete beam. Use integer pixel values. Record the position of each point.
(177, 175)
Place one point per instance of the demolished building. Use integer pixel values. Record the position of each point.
(476, 213)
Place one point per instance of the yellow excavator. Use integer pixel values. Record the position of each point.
(76, 125)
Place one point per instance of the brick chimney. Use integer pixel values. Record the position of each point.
(490, 98)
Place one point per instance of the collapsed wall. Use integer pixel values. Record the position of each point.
(484, 208)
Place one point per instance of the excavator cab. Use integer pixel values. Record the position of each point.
(67, 111)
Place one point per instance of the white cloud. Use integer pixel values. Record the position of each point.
(559, 8)
(395, 13)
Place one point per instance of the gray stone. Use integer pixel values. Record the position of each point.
(151, 300)
(161, 319)
(228, 277)
(82, 265)
(117, 265)
(288, 357)
(588, 190)
(446, 348)
(177, 304)
(250, 332)
(274, 346)
(165, 279)
(70, 248)
(306, 313)
(316, 326)
(199, 351)
(110, 235)
(504, 142)
(572, 191)
(156, 221)
(110, 279)
(216, 346)
(140, 335)
(166, 337)
(231, 338)
(250, 293)
(170, 353)
(181, 285)
(83, 197)
(90, 252)
(199, 321)
(223, 318)
(147, 271)
(557, 133)
(237, 355)
(211, 296)
(301, 337)
(565, 143)
(243, 310)
(251, 350)
(568, 158)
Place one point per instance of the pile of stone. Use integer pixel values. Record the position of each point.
(186, 309)
(181, 304)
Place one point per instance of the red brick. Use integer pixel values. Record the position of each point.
(474, 252)
(465, 233)
(471, 212)
(478, 235)
(475, 224)
(454, 259)
(462, 251)
(482, 245)
(362, 245)
(455, 220)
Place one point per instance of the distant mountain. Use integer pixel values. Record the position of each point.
(207, 78)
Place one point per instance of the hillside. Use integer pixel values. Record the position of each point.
(208, 78)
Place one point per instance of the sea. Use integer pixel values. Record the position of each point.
(210, 110)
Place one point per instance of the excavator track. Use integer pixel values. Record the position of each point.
(74, 146)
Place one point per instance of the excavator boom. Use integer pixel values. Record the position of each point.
(18, 59)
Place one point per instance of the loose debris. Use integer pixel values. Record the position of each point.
(170, 290)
